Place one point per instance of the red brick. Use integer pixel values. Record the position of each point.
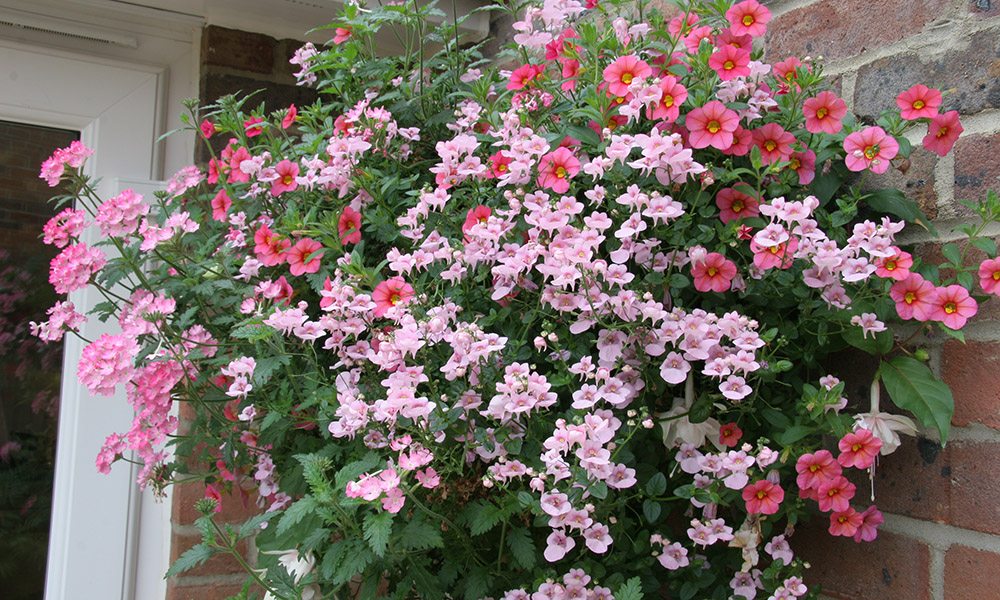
(976, 168)
(838, 29)
(233, 508)
(917, 183)
(970, 574)
(969, 73)
(914, 481)
(889, 568)
(219, 564)
(969, 369)
(235, 49)
(204, 591)
(975, 486)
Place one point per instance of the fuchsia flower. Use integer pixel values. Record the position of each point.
(712, 125)
(391, 292)
(555, 169)
(943, 132)
(349, 226)
(824, 113)
(989, 275)
(919, 102)
(714, 273)
(953, 306)
(763, 497)
(619, 74)
(859, 449)
(870, 149)
(748, 18)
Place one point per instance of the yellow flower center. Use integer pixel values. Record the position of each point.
(821, 113)
(714, 127)
(871, 152)
(996, 275)
(748, 20)
(761, 495)
(909, 298)
(502, 168)
(711, 273)
(737, 206)
(949, 307)
(668, 101)
(942, 132)
(796, 164)
(728, 65)
(560, 172)
(918, 104)
(770, 145)
(287, 180)
(627, 78)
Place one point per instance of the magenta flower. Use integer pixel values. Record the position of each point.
(953, 306)
(914, 297)
(712, 125)
(299, 254)
(286, 171)
(748, 18)
(221, 204)
(72, 268)
(389, 293)
(870, 149)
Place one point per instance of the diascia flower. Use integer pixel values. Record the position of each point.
(870, 149)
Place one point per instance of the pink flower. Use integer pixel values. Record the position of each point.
(835, 494)
(870, 149)
(748, 18)
(859, 449)
(989, 275)
(714, 273)
(814, 469)
(299, 254)
(341, 35)
(107, 362)
(780, 255)
(221, 204)
(213, 494)
(286, 171)
(556, 168)
(69, 223)
(557, 545)
(270, 247)
(674, 557)
(389, 293)
(914, 297)
(730, 434)
(804, 164)
(735, 205)
(252, 126)
(669, 106)
(763, 497)
(619, 74)
(524, 76)
(349, 226)
(476, 215)
(896, 266)
(919, 102)
(868, 528)
(120, 215)
(207, 128)
(730, 62)
(712, 125)
(942, 132)
(845, 522)
(290, 117)
(72, 268)
(824, 113)
(774, 142)
(953, 306)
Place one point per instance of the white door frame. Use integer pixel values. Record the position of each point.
(100, 522)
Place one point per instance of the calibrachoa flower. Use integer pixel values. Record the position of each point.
(712, 125)
(389, 293)
(824, 112)
(763, 497)
(919, 102)
(556, 168)
(298, 256)
(915, 297)
(714, 273)
(735, 205)
(953, 306)
(943, 132)
(748, 18)
(989, 275)
(620, 74)
(871, 149)
(349, 226)
(858, 449)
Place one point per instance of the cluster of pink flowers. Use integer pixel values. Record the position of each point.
(65, 226)
(72, 269)
(73, 156)
(107, 362)
(120, 216)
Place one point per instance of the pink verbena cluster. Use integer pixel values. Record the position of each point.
(107, 362)
(72, 269)
(73, 156)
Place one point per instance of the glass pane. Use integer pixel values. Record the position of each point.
(29, 369)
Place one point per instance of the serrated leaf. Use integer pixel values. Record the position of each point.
(913, 387)
(522, 547)
(333, 558)
(296, 512)
(630, 590)
(266, 367)
(357, 557)
(482, 516)
(420, 535)
(477, 583)
(190, 559)
(656, 485)
(252, 527)
(352, 471)
(425, 584)
(377, 527)
(252, 332)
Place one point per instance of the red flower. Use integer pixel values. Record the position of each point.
(207, 128)
(763, 497)
(715, 273)
(269, 246)
(524, 76)
(619, 74)
(774, 142)
(349, 226)
(730, 434)
(253, 127)
(859, 449)
(942, 132)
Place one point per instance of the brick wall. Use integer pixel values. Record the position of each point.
(232, 62)
(941, 537)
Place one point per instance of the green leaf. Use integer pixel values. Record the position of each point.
(483, 515)
(651, 509)
(356, 558)
(955, 333)
(913, 387)
(793, 434)
(875, 345)
(420, 535)
(333, 558)
(253, 332)
(425, 584)
(894, 202)
(377, 528)
(952, 253)
(522, 547)
(190, 559)
(631, 589)
(252, 527)
(296, 512)
(656, 485)
(987, 245)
